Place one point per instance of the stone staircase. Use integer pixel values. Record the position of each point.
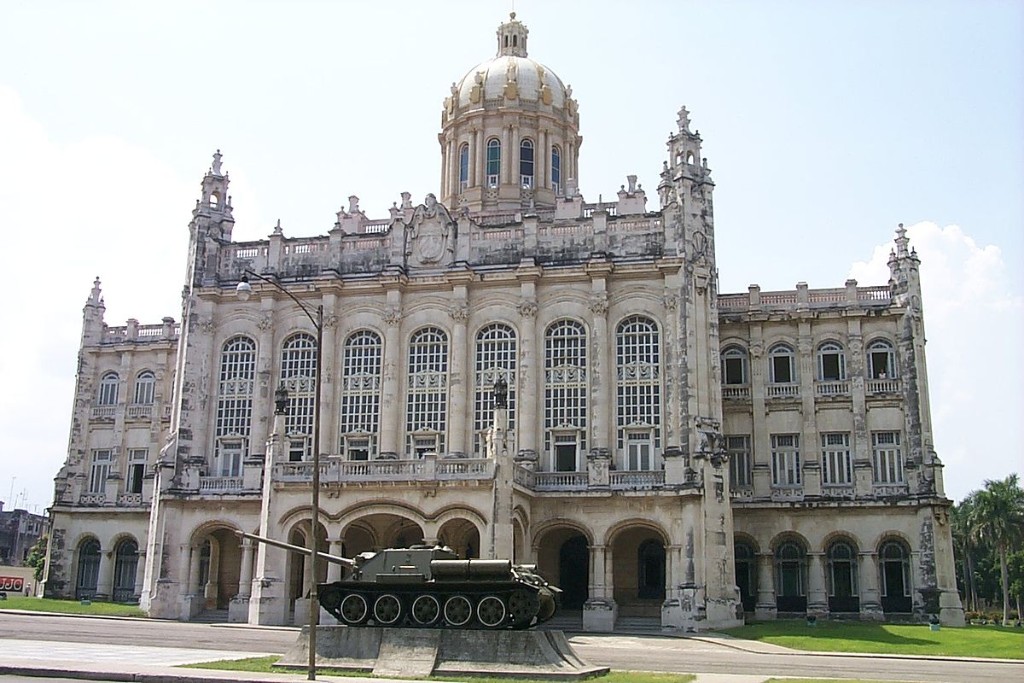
(211, 616)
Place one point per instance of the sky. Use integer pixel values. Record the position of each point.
(825, 126)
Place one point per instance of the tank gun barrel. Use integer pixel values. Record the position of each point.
(344, 561)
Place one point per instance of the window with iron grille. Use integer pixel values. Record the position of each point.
(638, 387)
(426, 414)
(887, 459)
(360, 394)
(145, 388)
(108, 389)
(234, 403)
(496, 354)
(101, 460)
(836, 465)
(298, 375)
(565, 381)
(740, 461)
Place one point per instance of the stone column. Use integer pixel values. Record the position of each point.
(328, 414)
(765, 607)
(459, 385)
(193, 570)
(602, 370)
(245, 574)
(140, 574)
(473, 179)
(600, 610)
(105, 580)
(528, 386)
(870, 597)
(391, 428)
(184, 566)
(333, 568)
(817, 598)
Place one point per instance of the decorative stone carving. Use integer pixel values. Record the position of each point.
(392, 316)
(204, 325)
(266, 322)
(459, 313)
(599, 303)
(427, 240)
(528, 308)
(671, 301)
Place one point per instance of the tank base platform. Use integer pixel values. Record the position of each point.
(410, 652)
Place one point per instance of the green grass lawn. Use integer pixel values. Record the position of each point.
(907, 639)
(71, 607)
(266, 665)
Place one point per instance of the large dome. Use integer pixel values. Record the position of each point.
(531, 81)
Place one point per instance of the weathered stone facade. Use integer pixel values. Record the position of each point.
(667, 452)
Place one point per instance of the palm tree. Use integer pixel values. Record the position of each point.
(998, 518)
(963, 541)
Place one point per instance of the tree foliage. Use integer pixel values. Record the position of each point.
(37, 558)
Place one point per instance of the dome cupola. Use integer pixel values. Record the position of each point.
(509, 131)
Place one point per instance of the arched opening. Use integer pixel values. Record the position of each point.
(651, 570)
(462, 536)
(526, 164)
(493, 162)
(790, 577)
(574, 572)
(126, 564)
(842, 578)
(638, 571)
(88, 569)
(746, 574)
(894, 559)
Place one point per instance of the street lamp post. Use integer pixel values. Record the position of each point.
(316, 316)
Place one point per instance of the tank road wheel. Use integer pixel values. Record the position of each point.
(387, 609)
(425, 610)
(523, 607)
(330, 599)
(353, 609)
(491, 611)
(458, 610)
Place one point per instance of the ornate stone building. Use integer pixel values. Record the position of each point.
(669, 453)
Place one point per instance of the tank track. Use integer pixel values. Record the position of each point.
(491, 606)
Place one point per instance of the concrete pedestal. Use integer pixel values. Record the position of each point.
(406, 652)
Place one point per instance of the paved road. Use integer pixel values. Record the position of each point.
(703, 655)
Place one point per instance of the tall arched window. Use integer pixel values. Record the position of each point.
(566, 394)
(496, 354)
(842, 578)
(894, 561)
(360, 395)
(881, 360)
(126, 563)
(426, 415)
(526, 163)
(734, 366)
(831, 362)
(790, 577)
(556, 169)
(88, 569)
(493, 162)
(298, 376)
(781, 364)
(746, 574)
(638, 393)
(108, 389)
(234, 404)
(463, 167)
(145, 388)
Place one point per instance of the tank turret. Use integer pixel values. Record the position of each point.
(431, 587)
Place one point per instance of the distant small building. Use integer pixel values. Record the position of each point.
(19, 531)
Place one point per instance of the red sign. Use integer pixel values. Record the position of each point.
(12, 583)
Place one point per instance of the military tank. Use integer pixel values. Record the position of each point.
(431, 587)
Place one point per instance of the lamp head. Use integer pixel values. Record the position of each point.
(281, 400)
(244, 289)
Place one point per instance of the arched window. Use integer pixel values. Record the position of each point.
(88, 569)
(651, 570)
(881, 360)
(831, 362)
(894, 561)
(463, 167)
(566, 394)
(746, 574)
(360, 395)
(234, 404)
(496, 354)
(790, 577)
(842, 578)
(526, 163)
(108, 389)
(781, 364)
(145, 388)
(426, 415)
(126, 563)
(734, 366)
(493, 162)
(556, 169)
(638, 392)
(298, 376)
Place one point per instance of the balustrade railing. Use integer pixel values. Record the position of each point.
(92, 499)
(782, 390)
(139, 412)
(787, 493)
(637, 479)
(837, 491)
(882, 386)
(104, 412)
(885, 490)
(219, 484)
(129, 499)
(832, 388)
(560, 481)
(734, 392)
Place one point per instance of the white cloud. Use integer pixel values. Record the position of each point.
(974, 323)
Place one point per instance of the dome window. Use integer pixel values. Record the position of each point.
(556, 169)
(493, 162)
(526, 164)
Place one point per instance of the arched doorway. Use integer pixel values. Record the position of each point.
(638, 571)
(126, 564)
(651, 570)
(746, 574)
(790, 577)
(574, 571)
(895, 573)
(462, 536)
(842, 578)
(88, 569)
